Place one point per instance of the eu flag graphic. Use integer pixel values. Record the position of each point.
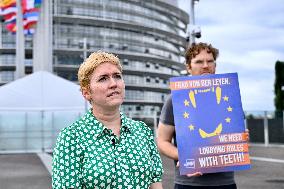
(209, 122)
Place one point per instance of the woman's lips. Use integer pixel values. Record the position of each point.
(113, 94)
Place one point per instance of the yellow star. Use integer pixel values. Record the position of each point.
(186, 102)
(226, 98)
(185, 115)
(230, 109)
(191, 127)
(228, 120)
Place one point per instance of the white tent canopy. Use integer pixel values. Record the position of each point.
(41, 91)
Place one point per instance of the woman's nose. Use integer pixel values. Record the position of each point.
(113, 81)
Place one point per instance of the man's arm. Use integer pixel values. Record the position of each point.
(164, 141)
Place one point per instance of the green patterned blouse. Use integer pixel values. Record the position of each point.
(88, 155)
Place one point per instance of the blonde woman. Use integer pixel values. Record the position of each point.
(104, 148)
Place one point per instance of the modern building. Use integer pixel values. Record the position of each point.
(148, 37)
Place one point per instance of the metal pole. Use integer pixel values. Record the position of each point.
(266, 134)
(283, 119)
(85, 48)
(42, 131)
(191, 22)
(282, 89)
(85, 57)
(26, 132)
(155, 125)
(1, 131)
(52, 131)
(1, 34)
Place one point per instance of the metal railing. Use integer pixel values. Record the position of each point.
(37, 131)
(32, 131)
(265, 127)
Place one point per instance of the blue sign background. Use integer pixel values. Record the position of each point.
(207, 112)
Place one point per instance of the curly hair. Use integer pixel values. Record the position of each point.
(91, 63)
(195, 49)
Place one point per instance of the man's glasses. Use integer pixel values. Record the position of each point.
(202, 62)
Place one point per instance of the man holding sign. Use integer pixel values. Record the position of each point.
(216, 160)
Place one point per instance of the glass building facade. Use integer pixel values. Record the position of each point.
(146, 35)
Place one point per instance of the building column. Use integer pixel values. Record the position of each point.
(42, 44)
(20, 44)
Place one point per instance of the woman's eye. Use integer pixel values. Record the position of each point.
(102, 79)
(118, 76)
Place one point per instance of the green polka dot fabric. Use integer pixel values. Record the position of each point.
(88, 155)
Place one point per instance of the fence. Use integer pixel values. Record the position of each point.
(32, 131)
(266, 128)
(37, 131)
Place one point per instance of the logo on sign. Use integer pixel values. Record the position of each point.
(189, 163)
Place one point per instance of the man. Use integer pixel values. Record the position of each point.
(200, 60)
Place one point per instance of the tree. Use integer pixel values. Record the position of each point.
(278, 86)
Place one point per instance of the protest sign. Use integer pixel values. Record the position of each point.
(209, 123)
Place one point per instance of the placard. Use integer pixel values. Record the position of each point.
(209, 123)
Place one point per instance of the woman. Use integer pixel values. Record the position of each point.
(104, 148)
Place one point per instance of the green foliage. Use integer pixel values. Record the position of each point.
(279, 82)
(250, 116)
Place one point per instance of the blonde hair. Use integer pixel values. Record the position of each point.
(91, 63)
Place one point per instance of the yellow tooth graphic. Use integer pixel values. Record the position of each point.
(217, 131)
(218, 94)
(203, 134)
(192, 98)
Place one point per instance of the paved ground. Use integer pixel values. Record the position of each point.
(26, 171)
(263, 175)
(23, 171)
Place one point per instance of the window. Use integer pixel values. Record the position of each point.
(148, 79)
(69, 11)
(157, 80)
(124, 47)
(7, 75)
(125, 62)
(157, 66)
(147, 65)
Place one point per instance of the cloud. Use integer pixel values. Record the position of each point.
(250, 37)
(256, 76)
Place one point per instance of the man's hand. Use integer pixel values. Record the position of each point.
(196, 174)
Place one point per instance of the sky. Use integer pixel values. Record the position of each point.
(250, 37)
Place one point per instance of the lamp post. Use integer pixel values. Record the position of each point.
(193, 31)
